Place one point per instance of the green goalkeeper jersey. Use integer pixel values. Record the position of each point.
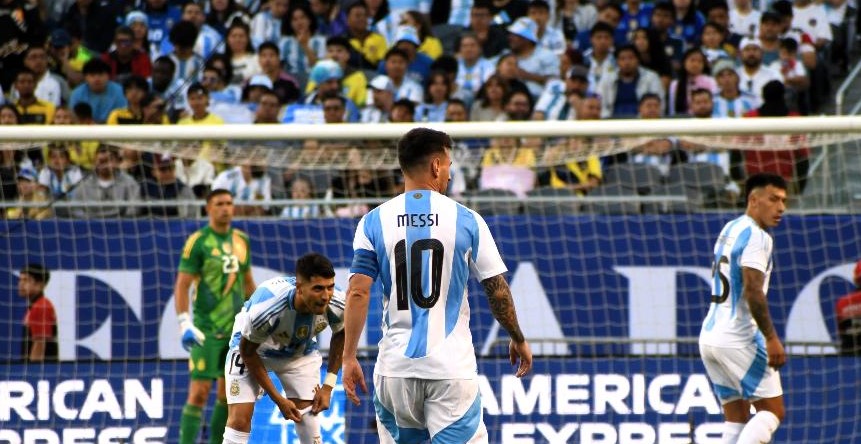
(219, 263)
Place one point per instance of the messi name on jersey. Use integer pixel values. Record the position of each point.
(420, 220)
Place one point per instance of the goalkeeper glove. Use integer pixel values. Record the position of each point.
(191, 335)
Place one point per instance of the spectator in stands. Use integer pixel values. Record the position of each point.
(561, 102)
(20, 27)
(536, 65)
(573, 16)
(769, 37)
(794, 74)
(331, 21)
(161, 17)
(663, 19)
(135, 88)
(97, 90)
(301, 189)
(518, 107)
(718, 12)
(695, 74)
(198, 101)
(663, 152)
(50, 87)
(848, 311)
(635, 15)
(10, 160)
(437, 94)
(240, 52)
(302, 46)
(381, 20)
(267, 23)
(268, 108)
(507, 69)
(549, 37)
(490, 100)
(96, 20)
(713, 45)
(354, 83)
(752, 74)
(403, 111)
(652, 56)
(472, 68)
(580, 176)
(743, 19)
(40, 322)
(161, 82)
(189, 65)
(63, 116)
(250, 186)
(609, 13)
(29, 192)
(107, 184)
(383, 98)
(222, 13)
(83, 152)
(284, 85)
(791, 164)
(621, 89)
(208, 41)
(368, 47)
(599, 57)
(60, 176)
(125, 60)
(31, 109)
(154, 109)
(138, 22)
(689, 22)
(492, 38)
(418, 64)
(730, 101)
(395, 64)
(334, 107)
(812, 18)
(429, 44)
(136, 164)
(164, 186)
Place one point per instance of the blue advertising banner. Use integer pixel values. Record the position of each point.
(597, 400)
(579, 276)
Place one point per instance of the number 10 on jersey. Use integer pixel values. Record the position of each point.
(415, 265)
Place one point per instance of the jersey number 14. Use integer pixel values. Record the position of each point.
(416, 269)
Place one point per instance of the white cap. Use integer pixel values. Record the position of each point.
(525, 27)
(747, 41)
(382, 83)
(407, 34)
(260, 80)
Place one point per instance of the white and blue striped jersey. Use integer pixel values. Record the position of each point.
(742, 243)
(472, 77)
(421, 246)
(269, 318)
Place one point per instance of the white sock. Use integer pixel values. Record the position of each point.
(731, 430)
(235, 436)
(759, 429)
(309, 429)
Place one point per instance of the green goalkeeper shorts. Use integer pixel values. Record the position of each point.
(207, 361)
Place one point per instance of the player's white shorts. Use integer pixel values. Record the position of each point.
(740, 373)
(411, 410)
(299, 376)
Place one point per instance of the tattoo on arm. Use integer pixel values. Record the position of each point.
(502, 305)
(756, 302)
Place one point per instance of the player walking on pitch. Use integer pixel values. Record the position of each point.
(738, 344)
(422, 245)
(217, 260)
(276, 331)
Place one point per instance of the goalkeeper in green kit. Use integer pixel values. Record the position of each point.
(216, 260)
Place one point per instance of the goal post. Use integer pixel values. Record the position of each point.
(610, 288)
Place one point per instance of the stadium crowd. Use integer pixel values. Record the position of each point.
(92, 62)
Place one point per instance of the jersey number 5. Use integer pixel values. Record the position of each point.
(724, 281)
(417, 267)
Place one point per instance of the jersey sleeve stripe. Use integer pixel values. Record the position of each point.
(735, 273)
(365, 262)
(262, 318)
(189, 245)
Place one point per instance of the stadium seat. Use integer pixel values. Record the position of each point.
(706, 178)
(636, 176)
(693, 203)
(508, 202)
(562, 206)
(320, 179)
(614, 205)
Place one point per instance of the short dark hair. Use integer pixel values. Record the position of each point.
(37, 271)
(649, 96)
(405, 103)
(83, 111)
(355, 5)
(446, 63)
(269, 45)
(196, 88)
(124, 30)
(333, 95)
(704, 91)
(164, 59)
(395, 51)
(789, 44)
(416, 146)
(183, 34)
(96, 66)
(540, 4)
(762, 180)
(135, 81)
(339, 40)
(314, 264)
(25, 71)
(601, 27)
(110, 149)
(217, 192)
(626, 47)
(665, 6)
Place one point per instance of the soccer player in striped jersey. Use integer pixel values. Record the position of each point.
(738, 343)
(277, 331)
(421, 246)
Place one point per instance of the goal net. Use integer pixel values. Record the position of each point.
(607, 229)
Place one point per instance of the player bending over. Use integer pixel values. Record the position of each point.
(276, 331)
(738, 343)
